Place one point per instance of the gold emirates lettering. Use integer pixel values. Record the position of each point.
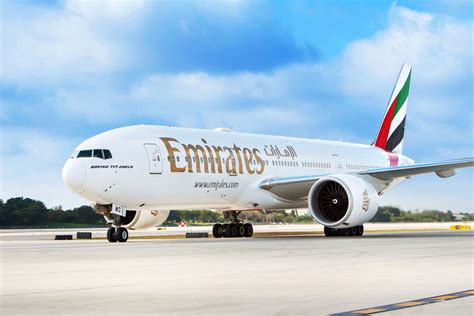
(207, 158)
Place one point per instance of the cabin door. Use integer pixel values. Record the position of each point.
(337, 163)
(155, 160)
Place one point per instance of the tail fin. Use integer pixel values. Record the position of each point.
(390, 135)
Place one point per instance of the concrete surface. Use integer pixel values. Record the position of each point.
(259, 276)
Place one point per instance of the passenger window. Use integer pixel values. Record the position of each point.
(84, 154)
(107, 154)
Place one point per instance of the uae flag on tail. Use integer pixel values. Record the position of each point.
(392, 130)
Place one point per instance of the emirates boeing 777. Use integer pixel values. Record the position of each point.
(137, 174)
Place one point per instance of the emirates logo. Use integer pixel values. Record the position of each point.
(365, 201)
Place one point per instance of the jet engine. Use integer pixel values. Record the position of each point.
(342, 201)
(143, 219)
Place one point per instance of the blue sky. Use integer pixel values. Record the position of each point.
(319, 69)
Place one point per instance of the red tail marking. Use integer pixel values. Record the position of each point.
(382, 137)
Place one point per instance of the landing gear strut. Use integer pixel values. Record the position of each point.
(234, 229)
(351, 231)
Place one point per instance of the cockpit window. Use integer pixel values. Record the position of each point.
(107, 154)
(84, 153)
(98, 153)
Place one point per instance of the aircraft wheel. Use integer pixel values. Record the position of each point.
(218, 231)
(122, 234)
(248, 230)
(111, 234)
(240, 230)
(233, 230)
(329, 232)
(360, 230)
(227, 230)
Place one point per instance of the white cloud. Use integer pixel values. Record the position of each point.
(31, 164)
(56, 46)
(439, 49)
(100, 9)
(246, 101)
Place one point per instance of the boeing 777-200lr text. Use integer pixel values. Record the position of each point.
(137, 174)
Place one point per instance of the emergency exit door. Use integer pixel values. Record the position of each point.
(155, 160)
(337, 162)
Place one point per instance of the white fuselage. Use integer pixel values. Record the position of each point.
(162, 168)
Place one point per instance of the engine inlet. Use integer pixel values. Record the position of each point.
(333, 201)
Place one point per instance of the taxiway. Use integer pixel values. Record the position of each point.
(304, 275)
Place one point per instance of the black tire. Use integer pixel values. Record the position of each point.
(111, 235)
(360, 230)
(353, 231)
(217, 231)
(329, 232)
(248, 230)
(233, 230)
(227, 230)
(240, 230)
(122, 234)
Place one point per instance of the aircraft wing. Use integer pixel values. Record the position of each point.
(443, 169)
(297, 188)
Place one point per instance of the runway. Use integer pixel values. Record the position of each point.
(310, 275)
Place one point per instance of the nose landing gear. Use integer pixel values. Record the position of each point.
(111, 234)
(234, 229)
(115, 234)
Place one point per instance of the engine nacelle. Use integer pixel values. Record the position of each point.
(143, 219)
(342, 201)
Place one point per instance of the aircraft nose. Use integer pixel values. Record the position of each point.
(74, 174)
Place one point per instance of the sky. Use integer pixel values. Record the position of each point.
(316, 69)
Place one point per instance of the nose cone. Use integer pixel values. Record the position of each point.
(74, 174)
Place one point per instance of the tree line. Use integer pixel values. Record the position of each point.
(25, 213)
(22, 212)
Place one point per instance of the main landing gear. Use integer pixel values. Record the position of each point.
(234, 229)
(352, 231)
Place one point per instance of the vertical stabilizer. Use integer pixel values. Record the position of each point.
(392, 130)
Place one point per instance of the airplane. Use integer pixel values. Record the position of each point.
(135, 175)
